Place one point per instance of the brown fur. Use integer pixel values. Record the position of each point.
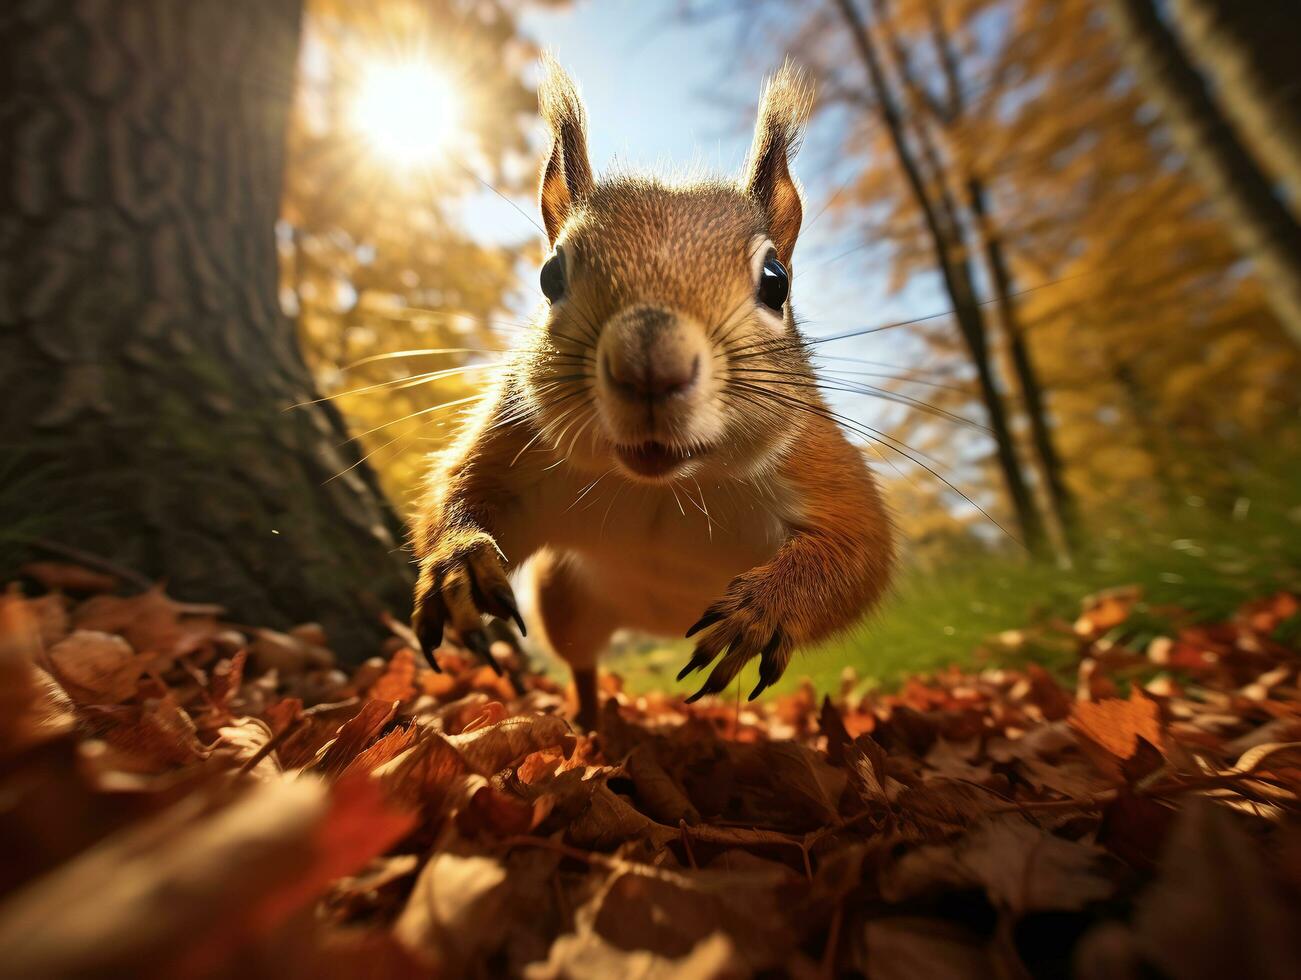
(761, 514)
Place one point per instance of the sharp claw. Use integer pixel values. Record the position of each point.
(711, 686)
(704, 622)
(428, 642)
(477, 642)
(768, 673)
(698, 661)
(507, 600)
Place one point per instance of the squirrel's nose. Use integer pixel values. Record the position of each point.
(649, 355)
(652, 378)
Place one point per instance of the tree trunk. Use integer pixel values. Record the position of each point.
(148, 373)
(1060, 498)
(956, 273)
(946, 112)
(1250, 48)
(1263, 229)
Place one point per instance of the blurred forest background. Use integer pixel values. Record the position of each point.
(1086, 214)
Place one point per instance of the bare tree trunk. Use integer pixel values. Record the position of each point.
(955, 270)
(1060, 498)
(947, 111)
(1263, 229)
(1250, 48)
(147, 370)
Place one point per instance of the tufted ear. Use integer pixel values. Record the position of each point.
(567, 175)
(783, 110)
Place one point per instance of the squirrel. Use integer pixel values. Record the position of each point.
(658, 446)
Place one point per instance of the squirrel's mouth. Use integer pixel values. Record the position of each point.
(653, 459)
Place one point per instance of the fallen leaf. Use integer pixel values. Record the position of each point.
(1021, 867)
(244, 738)
(657, 792)
(907, 948)
(489, 750)
(1116, 725)
(178, 893)
(423, 776)
(354, 735)
(98, 668)
(151, 622)
(20, 648)
(287, 654)
(465, 907)
(398, 681)
(67, 577)
(1214, 912)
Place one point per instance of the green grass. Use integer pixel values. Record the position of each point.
(1204, 560)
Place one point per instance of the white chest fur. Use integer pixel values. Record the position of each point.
(658, 554)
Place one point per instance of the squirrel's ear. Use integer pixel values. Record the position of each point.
(567, 175)
(783, 110)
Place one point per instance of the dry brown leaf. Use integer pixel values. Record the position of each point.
(423, 776)
(151, 622)
(489, 750)
(1214, 912)
(67, 577)
(587, 956)
(354, 735)
(176, 894)
(908, 948)
(158, 734)
(671, 912)
(493, 811)
(51, 615)
(657, 792)
(20, 649)
(244, 738)
(609, 820)
(1021, 867)
(287, 654)
(226, 679)
(397, 683)
(1116, 726)
(1107, 610)
(384, 750)
(466, 907)
(97, 668)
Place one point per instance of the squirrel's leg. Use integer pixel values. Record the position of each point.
(833, 566)
(475, 527)
(577, 625)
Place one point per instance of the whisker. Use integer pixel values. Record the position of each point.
(407, 382)
(793, 379)
(588, 489)
(422, 411)
(423, 352)
(885, 440)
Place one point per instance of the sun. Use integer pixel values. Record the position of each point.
(408, 111)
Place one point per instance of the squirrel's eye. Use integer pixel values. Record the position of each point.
(774, 283)
(553, 278)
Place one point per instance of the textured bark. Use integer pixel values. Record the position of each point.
(955, 271)
(1250, 49)
(1261, 226)
(147, 370)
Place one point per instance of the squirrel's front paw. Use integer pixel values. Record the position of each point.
(746, 624)
(460, 585)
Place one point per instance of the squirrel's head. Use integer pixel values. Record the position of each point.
(669, 305)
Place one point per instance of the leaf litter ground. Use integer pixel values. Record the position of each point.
(185, 797)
